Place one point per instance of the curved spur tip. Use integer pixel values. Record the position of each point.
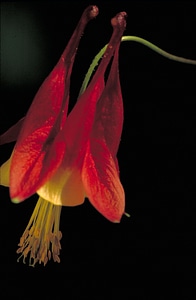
(91, 12)
(94, 11)
(119, 19)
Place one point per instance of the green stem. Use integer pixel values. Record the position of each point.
(138, 40)
(158, 50)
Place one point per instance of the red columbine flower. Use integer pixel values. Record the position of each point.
(65, 159)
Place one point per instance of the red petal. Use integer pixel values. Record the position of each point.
(80, 121)
(12, 133)
(43, 122)
(101, 181)
(48, 161)
(109, 115)
(99, 173)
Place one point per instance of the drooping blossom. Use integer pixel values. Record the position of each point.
(67, 158)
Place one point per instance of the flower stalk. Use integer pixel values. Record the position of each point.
(132, 38)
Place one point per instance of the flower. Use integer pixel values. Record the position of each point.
(67, 158)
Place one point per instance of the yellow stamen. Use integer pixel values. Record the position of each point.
(41, 238)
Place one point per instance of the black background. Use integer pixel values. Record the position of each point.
(150, 253)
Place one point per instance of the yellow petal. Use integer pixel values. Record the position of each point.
(64, 188)
(5, 173)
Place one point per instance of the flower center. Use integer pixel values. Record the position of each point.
(41, 238)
